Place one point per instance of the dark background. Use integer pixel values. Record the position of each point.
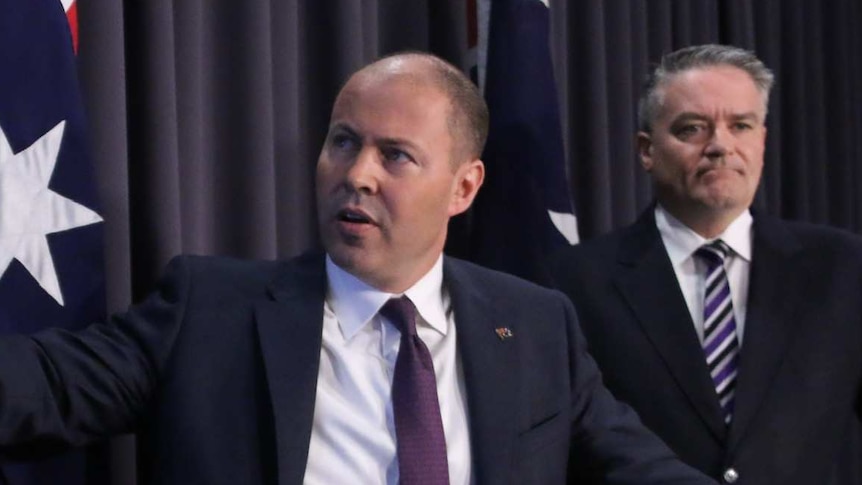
(206, 117)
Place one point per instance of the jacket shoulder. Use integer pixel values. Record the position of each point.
(810, 238)
(593, 256)
(499, 284)
(227, 274)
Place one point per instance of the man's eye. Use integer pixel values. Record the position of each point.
(686, 130)
(742, 126)
(395, 155)
(690, 131)
(343, 141)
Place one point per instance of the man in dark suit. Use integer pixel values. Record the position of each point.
(380, 362)
(736, 337)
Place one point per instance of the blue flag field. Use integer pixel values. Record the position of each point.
(524, 211)
(51, 265)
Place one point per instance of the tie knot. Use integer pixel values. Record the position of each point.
(402, 313)
(713, 253)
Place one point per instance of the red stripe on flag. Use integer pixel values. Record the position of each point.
(72, 16)
(472, 25)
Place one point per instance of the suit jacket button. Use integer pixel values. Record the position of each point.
(730, 475)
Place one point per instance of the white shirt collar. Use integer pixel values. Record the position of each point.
(681, 241)
(355, 302)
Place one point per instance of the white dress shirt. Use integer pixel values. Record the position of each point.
(353, 436)
(681, 242)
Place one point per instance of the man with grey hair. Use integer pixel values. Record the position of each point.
(736, 336)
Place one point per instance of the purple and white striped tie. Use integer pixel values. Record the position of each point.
(720, 343)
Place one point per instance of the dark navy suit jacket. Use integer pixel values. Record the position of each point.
(796, 418)
(217, 370)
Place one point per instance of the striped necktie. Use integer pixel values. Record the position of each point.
(720, 343)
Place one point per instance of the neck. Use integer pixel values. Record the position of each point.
(397, 282)
(708, 223)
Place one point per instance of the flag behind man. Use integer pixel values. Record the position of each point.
(524, 210)
(51, 266)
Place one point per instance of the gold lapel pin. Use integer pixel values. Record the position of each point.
(504, 333)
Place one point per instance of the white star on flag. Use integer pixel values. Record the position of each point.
(567, 224)
(29, 210)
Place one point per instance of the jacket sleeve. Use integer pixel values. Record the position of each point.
(60, 388)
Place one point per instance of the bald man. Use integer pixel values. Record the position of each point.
(379, 362)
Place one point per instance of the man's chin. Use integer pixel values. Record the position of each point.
(710, 204)
(349, 258)
(724, 201)
(344, 257)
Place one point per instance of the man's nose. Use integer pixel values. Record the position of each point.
(720, 144)
(361, 175)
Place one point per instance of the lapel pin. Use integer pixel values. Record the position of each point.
(504, 333)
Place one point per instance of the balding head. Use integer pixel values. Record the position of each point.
(400, 159)
(468, 114)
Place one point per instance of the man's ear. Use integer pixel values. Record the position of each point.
(468, 179)
(645, 147)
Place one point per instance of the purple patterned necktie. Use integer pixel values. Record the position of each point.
(418, 426)
(720, 344)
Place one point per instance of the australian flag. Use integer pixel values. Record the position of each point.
(51, 265)
(524, 210)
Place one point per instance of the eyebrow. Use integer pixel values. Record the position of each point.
(385, 141)
(750, 115)
(397, 142)
(691, 115)
(341, 126)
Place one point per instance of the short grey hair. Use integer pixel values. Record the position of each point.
(698, 57)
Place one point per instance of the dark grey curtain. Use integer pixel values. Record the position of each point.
(207, 116)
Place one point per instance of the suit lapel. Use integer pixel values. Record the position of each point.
(289, 328)
(489, 365)
(648, 284)
(769, 317)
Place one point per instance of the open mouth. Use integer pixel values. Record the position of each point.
(353, 217)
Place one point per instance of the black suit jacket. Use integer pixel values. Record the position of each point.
(218, 370)
(797, 396)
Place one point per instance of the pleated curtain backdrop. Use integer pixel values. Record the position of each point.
(207, 116)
